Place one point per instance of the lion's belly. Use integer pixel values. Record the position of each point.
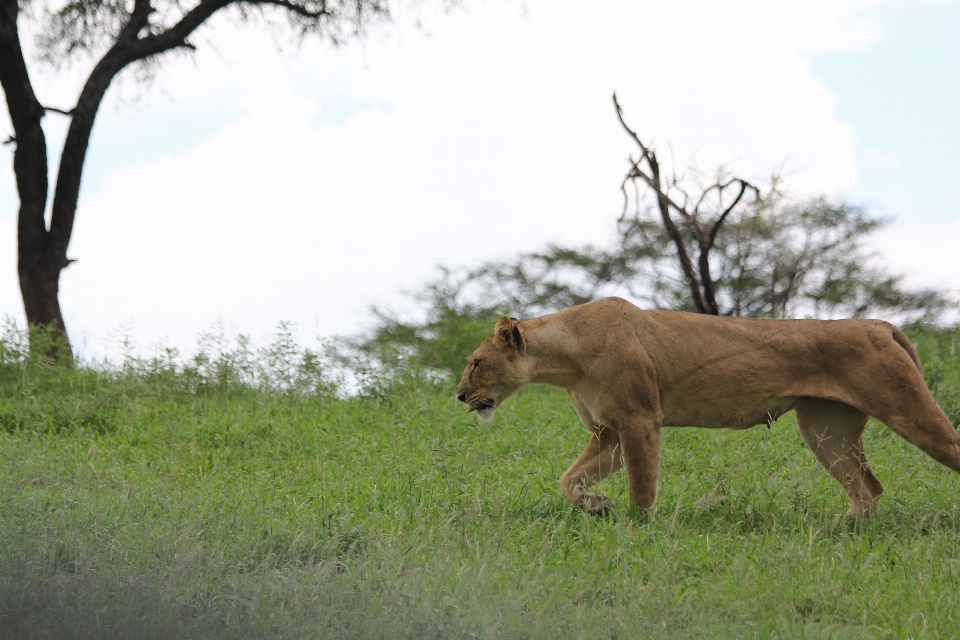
(727, 414)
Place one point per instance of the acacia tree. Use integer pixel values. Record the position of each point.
(115, 34)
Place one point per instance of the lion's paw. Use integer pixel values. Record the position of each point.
(597, 505)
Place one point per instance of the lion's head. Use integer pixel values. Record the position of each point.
(495, 370)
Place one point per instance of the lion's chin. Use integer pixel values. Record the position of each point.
(486, 414)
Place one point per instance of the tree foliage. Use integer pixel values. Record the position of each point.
(90, 28)
(777, 258)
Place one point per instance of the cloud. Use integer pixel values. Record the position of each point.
(348, 174)
(925, 252)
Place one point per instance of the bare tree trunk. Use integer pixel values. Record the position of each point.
(38, 266)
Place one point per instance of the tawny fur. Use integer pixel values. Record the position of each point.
(630, 372)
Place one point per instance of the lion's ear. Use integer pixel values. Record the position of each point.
(506, 334)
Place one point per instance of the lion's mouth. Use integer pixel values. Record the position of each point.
(482, 405)
(485, 408)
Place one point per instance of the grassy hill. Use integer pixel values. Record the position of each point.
(150, 505)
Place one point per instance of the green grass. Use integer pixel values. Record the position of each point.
(240, 512)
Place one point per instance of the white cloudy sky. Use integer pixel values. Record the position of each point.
(254, 186)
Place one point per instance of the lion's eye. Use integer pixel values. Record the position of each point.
(475, 365)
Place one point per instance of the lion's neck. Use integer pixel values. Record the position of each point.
(550, 356)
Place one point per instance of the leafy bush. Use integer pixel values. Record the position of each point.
(442, 344)
(398, 355)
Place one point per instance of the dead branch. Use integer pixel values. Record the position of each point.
(704, 235)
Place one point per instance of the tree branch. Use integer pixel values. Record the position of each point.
(174, 37)
(139, 18)
(128, 48)
(637, 172)
(664, 204)
(744, 185)
(719, 186)
(298, 9)
(636, 138)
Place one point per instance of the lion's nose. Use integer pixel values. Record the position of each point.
(462, 396)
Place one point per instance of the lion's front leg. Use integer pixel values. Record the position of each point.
(600, 458)
(641, 456)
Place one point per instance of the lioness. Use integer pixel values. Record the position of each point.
(629, 372)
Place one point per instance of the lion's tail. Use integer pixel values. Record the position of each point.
(901, 339)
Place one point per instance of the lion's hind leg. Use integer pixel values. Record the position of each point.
(833, 432)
